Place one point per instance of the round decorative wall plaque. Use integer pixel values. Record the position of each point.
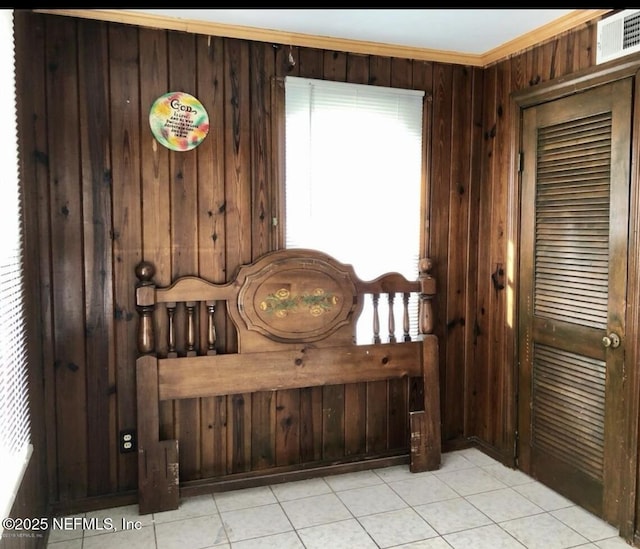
(178, 121)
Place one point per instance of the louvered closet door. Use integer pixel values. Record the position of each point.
(574, 219)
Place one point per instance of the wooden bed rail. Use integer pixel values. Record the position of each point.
(295, 314)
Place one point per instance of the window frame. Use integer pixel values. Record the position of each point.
(278, 170)
(19, 376)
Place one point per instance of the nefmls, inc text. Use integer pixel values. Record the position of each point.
(94, 523)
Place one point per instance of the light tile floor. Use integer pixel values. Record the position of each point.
(472, 502)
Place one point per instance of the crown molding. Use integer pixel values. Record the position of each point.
(563, 24)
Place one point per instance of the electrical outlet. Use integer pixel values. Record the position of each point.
(128, 441)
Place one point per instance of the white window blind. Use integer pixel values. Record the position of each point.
(15, 447)
(353, 174)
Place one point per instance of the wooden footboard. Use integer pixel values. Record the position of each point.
(295, 313)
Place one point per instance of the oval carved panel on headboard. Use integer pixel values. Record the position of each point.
(297, 297)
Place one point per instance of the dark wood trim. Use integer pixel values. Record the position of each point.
(278, 120)
(577, 81)
(629, 506)
(283, 474)
(563, 24)
(425, 200)
(512, 268)
(488, 449)
(580, 81)
(85, 505)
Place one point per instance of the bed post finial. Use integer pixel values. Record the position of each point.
(427, 293)
(145, 305)
(145, 270)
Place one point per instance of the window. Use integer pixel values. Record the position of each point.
(353, 173)
(15, 447)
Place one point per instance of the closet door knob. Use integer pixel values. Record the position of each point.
(612, 340)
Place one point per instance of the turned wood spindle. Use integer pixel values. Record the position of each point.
(392, 321)
(211, 332)
(427, 293)
(145, 305)
(171, 332)
(405, 317)
(191, 332)
(376, 318)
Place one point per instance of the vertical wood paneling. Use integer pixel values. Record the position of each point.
(127, 228)
(357, 68)
(184, 238)
(68, 260)
(441, 163)
(31, 81)
(551, 59)
(481, 384)
(544, 59)
(263, 421)
(154, 165)
(491, 398)
(519, 71)
(573, 52)
(310, 62)
(156, 184)
(262, 68)
(460, 162)
(311, 424)
(531, 64)
(209, 210)
(558, 57)
(93, 77)
(237, 141)
(211, 237)
(219, 455)
(334, 66)
(287, 424)
(333, 442)
(586, 41)
(265, 409)
(355, 418)
(499, 388)
(500, 375)
(471, 361)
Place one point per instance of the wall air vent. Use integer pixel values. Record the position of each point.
(618, 35)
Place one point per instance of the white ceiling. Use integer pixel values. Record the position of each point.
(468, 31)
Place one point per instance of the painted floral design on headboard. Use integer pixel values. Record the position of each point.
(283, 302)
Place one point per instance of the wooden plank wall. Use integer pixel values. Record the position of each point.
(105, 194)
(33, 496)
(490, 338)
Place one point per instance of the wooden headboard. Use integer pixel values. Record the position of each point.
(295, 312)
